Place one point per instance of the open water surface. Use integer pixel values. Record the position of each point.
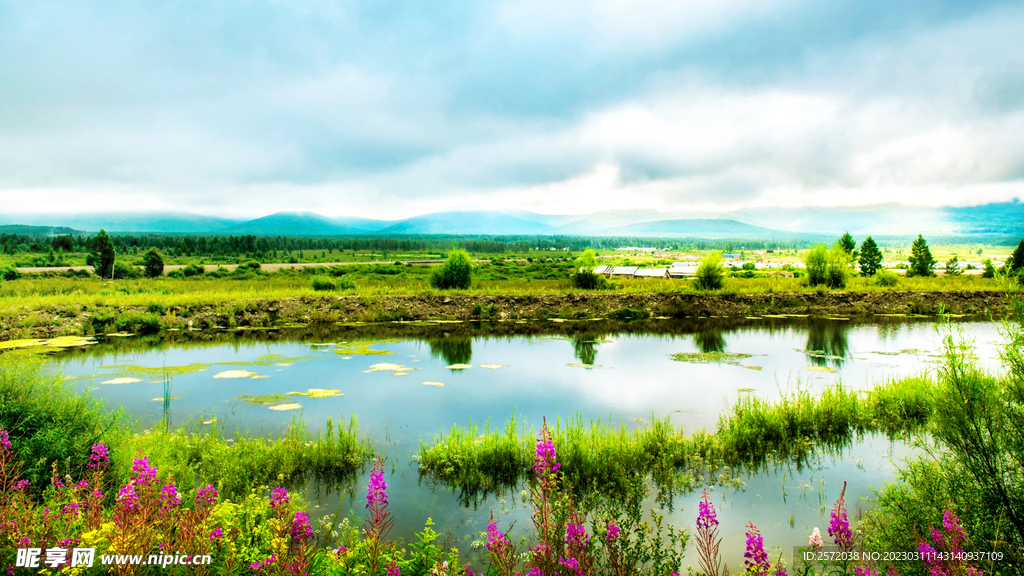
(624, 376)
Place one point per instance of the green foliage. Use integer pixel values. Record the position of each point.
(816, 262)
(921, 261)
(50, 424)
(886, 278)
(847, 243)
(456, 272)
(10, 273)
(193, 269)
(953, 266)
(990, 269)
(153, 263)
(125, 271)
(101, 257)
(870, 257)
(837, 269)
(710, 274)
(323, 283)
(1016, 260)
(583, 275)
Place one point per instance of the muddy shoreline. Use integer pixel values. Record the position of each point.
(406, 310)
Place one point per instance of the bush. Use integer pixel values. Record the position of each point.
(456, 272)
(323, 283)
(990, 270)
(153, 263)
(837, 269)
(816, 262)
(193, 270)
(123, 271)
(710, 274)
(886, 278)
(10, 273)
(588, 280)
(248, 265)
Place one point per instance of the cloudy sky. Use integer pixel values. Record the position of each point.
(391, 109)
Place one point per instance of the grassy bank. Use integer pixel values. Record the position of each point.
(54, 428)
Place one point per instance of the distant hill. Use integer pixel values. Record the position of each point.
(482, 222)
(157, 222)
(362, 223)
(38, 230)
(693, 228)
(293, 224)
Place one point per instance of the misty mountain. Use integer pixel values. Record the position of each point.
(293, 224)
(38, 230)
(693, 228)
(166, 222)
(466, 223)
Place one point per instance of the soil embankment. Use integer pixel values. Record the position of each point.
(334, 309)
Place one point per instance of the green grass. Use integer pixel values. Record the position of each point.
(52, 425)
(751, 434)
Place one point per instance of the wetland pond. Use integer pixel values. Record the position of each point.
(404, 388)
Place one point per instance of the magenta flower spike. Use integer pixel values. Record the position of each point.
(839, 524)
(755, 557)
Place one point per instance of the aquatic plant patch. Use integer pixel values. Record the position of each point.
(230, 374)
(284, 407)
(121, 381)
(388, 367)
(318, 393)
(710, 357)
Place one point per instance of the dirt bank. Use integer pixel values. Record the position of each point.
(331, 309)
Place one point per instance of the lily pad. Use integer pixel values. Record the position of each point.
(400, 374)
(460, 366)
(753, 367)
(362, 350)
(122, 381)
(710, 357)
(820, 369)
(261, 400)
(388, 367)
(283, 407)
(587, 366)
(235, 374)
(317, 393)
(493, 366)
(438, 384)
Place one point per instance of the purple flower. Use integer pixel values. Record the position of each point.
(571, 564)
(169, 496)
(301, 529)
(613, 532)
(341, 550)
(865, 571)
(706, 518)
(5, 440)
(954, 530)
(127, 498)
(393, 569)
(495, 540)
(71, 508)
(839, 525)
(216, 534)
(68, 542)
(576, 536)
(279, 497)
(21, 485)
(535, 571)
(99, 457)
(756, 559)
(259, 566)
(25, 542)
(375, 490)
(892, 571)
(145, 474)
(206, 496)
(544, 462)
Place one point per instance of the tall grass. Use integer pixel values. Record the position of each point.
(751, 434)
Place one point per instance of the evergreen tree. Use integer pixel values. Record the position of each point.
(847, 243)
(101, 257)
(870, 257)
(990, 270)
(1016, 261)
(953, 266)
(921, 261)
(154, 263)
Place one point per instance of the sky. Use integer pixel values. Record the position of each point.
(387, 110)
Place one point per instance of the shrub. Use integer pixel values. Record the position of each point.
(124, 271)
(816, 262)
(710, 274)
(886, 278)
(324, 283)
(10, 273)
(837, 268)
(990, 270)
(193, 270)
(248, 265)
(456, 272)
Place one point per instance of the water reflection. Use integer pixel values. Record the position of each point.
(827, 344)
(708, 341)
(584, 349)
(453, 350)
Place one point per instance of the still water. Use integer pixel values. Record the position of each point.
(403, 389)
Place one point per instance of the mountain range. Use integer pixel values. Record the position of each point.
(1000, 220)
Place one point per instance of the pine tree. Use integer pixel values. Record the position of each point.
(847, 243)
(870, 257)
(953, 266)
(102, 257)
(921, 261)
(1016, 261)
